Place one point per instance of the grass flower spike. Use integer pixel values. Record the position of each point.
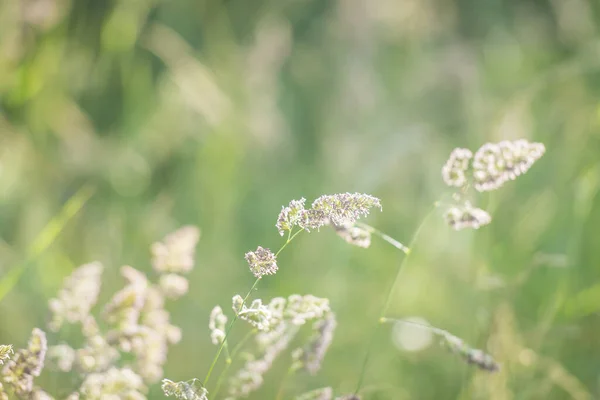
(467, 216)
(262, 262)
(184, 390)
(345, 208)
(454, 171)
(496, 163)
(216, 324)
(5, 352)
(472, 356)
(354, 235)
(27, 364)
(290, 216)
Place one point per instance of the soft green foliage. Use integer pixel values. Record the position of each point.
(123, 120)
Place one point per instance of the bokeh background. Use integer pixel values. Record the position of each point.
(122, 120)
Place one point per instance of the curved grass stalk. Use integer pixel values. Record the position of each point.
(235, 317)
(388, 300)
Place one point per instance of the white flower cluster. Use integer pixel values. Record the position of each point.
(492, 165)
(337, 209)
(27, 364)
(496, 163)
(262, 262)
(257, 314)
(216, 324)
(282, 318)
(189, 390)
(454, 171)
(467, 216)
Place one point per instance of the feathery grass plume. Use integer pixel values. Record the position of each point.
(454, 171)
(114, 383)
(472, 356)
(216, 324)
(290, 216)
(184, 390)
(173, 286)
(466, 216)
(310, 357)
(60, 357)
(177, 250)
(19, 372)
(5, 351)
(286, 318)
(77, 297)
(313, 219)
(262, 262)
(325, 393)
(257, 314)
(354, 235)
(496, 163)
(345, 208)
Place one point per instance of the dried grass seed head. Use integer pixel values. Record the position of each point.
(354, 235)
(466, 216)
(262, 262)
(473, 356)
(216, 324)
(184, 390)
(256, 314)
(5, 351)
(345, 207)
(496, 163)
(26, 364)
(290, 216)
(454, 171)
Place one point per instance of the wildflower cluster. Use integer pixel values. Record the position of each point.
(337, 209)
(137, 323)
(19, 372)
(184, 390)
(492, 165)
(5, 352)
(282, 318)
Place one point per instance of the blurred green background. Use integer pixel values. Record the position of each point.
(152, 114)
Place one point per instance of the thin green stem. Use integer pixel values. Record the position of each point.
(234, 352)
(384, 236)
(234, 319)
(430, 328)
(281, 390)
(388, 300)
(227, 331)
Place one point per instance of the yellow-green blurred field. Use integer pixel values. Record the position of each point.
(122, 120)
